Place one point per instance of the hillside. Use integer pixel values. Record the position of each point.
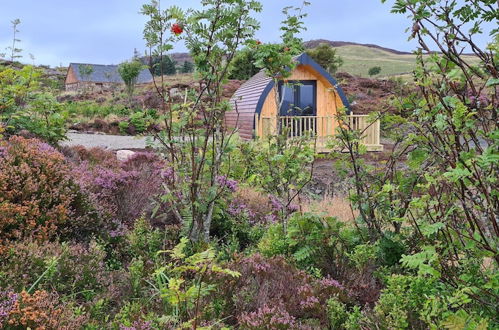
(358, 58)
(335, 44)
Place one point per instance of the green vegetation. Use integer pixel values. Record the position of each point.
(139, 122)
(129, 72)
(162, 65)
(375, 70)
(15, 53)
(85, 71)
(25, 106)
(187, 67)
(206, 231)
(243, 67)
(325, 56)
(357, 60)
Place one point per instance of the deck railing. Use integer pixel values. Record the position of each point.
(370, 130)
(320, 127)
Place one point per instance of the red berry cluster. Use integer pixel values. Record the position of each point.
(177, 29)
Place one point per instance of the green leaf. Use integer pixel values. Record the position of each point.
(422, 261)
(492, 82)
(430, 229)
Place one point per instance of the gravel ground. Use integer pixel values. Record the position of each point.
(113, 142)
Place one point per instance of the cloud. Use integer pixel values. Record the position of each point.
(107, 31)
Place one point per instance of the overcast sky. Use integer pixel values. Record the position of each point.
(58, 32)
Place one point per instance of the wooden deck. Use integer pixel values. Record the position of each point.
(322, 128)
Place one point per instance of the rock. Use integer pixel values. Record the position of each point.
(124, 155)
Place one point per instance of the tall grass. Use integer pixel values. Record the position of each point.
(336, 206)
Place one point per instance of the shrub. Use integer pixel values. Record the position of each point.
(121, 191)
(235, 225)
(423, 302)
(325, 55)
(144, 241)
(41, 310)
(243, 66)
(43, 117)
(139, 122)
(268, 318)
(24, 107)
(76, 270)
(337, 313)
(325, 247)
(8, 300)
(274, 282)
(94, 156)
(375, 70)
(184, 282)
(313, 242)
(252, 203)
(38, 196)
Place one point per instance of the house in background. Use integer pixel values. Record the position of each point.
(310, 104)
(97, 77)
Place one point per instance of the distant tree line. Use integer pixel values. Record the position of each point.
(166, 65)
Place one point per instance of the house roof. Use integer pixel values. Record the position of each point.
(107, 74)
(251, 96)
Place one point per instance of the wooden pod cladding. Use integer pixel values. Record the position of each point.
(244, 104)
(256, 97)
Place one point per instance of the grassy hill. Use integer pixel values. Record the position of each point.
(358, 59)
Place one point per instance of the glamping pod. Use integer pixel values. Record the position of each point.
(309, 104)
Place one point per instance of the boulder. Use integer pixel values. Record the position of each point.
(124, 155)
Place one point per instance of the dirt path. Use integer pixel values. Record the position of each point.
(113, 142)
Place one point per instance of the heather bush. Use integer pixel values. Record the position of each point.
(121, 191)
(131, 317)
(8, 300)
(275, 283)
(74, 270)
(38, 196)
(253, 204)
(41, 310)
(94, 156)
(233, 227)
(268, 318)
(243, 216)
